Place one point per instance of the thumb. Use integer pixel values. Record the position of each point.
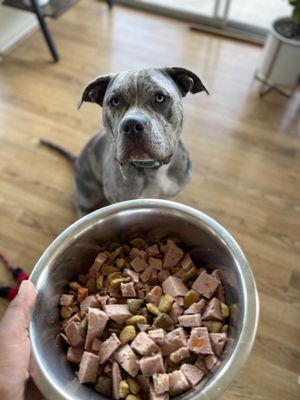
(18, 312)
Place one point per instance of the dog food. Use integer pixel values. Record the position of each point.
(144, 322)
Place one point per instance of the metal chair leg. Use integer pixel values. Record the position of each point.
(45, 30)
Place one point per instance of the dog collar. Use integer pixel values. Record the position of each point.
(146, 163)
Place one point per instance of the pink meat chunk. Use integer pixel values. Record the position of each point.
(74, 355)
(179, 300)
(196, 307)
(100, 260)
(137, 253)
(187, 262)
(102, 300)
(163, 275)
(143, 327)
(118, 312)
(112, 300)
(97, 320)
(88, 369)
(96, 344)
(216, 274)
(143, 344)
(154, 396)
(153, 280)
(210, 361)
(135, 276)
(152, 251)
(153, 364)
(72, 331)
(155, 263)
(218, 341)
(161, 383)
(213, 311)
(108, 347)
(173, 340)
(192, 373)
(127, 360)
(66, 299)
(199, 342)
(154, 295)
(178, 383)
(190, 321)
(145, 275)
(90, 301)
(200, 364)
(128, 290)
(116, 380)
(174, 287)
(179, 355)
(138, 264)
(172, 257)
(175, 312)
(206, 285)
(157, 335)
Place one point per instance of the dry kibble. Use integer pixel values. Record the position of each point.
(190, 274)
(133, 397)
(66, 312)
(163, 321)
(127, 334)
(142, 293)
(108, 269)
(123, 389)
(136, 319)
(134, 386)
(74, 285)
(224, 310)
(104, 385)
(213, 326)
(138, 243)
(82, 279)
(100, 282)
(225, 329)
(152, 309)
(82, 293)
(120, 263)
(165, 303)
(190, 298)
(114, 275)
(83, 326)
(91, 285)
(75, 309)
(135, 304)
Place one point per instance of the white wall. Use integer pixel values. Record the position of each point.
(14, 24)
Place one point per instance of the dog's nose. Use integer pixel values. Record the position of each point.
(133, 125)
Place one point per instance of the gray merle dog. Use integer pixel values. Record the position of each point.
(139, 153)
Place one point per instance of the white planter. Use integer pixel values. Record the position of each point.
(280, 63)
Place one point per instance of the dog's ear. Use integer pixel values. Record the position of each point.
(95, 91)
(186, 80)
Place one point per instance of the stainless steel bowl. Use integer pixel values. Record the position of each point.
(73, 252)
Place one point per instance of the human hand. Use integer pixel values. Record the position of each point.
(15, 345)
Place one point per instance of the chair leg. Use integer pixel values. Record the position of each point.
(110, 3)
(45, 30)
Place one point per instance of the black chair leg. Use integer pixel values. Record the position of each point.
(45, 30)
(110, 3)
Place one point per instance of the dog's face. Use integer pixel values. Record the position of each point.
(142, 110)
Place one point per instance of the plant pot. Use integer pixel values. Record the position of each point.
(280, 63)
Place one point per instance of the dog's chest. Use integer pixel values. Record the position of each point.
(159, 184)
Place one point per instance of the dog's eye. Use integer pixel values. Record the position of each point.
(115, 101)
(159, 98)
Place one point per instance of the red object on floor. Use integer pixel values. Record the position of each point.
(19, 276)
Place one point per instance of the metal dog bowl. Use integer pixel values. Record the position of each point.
(73, 252)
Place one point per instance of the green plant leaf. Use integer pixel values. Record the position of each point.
(296, 15)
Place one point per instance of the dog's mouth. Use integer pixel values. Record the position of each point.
(140, 156)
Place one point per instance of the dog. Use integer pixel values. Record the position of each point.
(139, 153)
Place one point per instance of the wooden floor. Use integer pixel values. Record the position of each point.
(246, 154)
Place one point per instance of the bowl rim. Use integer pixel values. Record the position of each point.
(218, 383)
